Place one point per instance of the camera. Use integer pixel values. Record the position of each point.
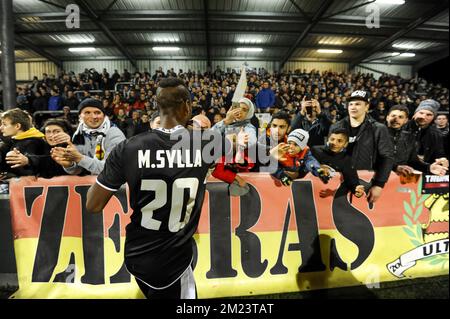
(309, 108)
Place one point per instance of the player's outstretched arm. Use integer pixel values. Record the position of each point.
(97, 198)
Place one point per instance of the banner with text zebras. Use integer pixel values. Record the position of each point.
(272, 240)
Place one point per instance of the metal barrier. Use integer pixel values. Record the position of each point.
(80, 94)
(119, 85)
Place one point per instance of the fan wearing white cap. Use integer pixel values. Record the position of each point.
(297, 159)
(370, 146)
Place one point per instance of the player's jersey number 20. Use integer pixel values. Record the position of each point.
(160, 188)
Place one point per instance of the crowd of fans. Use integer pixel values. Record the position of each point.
(316, 105)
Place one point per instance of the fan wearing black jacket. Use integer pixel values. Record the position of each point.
(429, 142)
(16, 124)
(57, 133)
(369, 143)
(405, 152)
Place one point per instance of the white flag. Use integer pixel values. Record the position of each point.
(242, 85)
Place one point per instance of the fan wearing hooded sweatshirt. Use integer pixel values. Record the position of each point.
(237, 128)
(92, 142)
(24, 138)
(238, 117)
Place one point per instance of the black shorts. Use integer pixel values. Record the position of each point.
(182, 288)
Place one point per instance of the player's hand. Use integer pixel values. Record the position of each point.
(374, 194)
(16, 159)
(292, 175)
(359, 191)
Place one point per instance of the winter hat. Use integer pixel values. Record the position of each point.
(299, 137)
(89, 102)
(251, 107)
(428, 105)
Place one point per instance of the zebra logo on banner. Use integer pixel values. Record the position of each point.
(431, 238)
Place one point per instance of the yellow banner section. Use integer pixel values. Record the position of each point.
(272, 240)
(71, 286)
(374, 270)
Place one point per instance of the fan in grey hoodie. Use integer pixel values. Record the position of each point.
(92, 142)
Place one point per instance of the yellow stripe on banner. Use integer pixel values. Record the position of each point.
(387, 248)
(26, 249)
(390, 244)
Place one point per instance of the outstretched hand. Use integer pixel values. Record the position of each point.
(279, 151)
(66, 156)
(438, 169)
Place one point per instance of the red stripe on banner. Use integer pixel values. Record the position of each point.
(435, 185)
(387, 211)
(273, 201)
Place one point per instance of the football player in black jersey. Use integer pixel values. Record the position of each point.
(167, 186)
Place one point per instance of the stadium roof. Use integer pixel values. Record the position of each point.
(214, 29)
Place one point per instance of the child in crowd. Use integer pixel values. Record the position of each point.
(333, 154)
(297, 160)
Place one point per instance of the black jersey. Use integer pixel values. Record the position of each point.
(167, 184)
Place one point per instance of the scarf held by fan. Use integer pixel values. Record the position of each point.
(98, 133)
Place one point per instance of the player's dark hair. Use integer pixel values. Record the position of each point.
(399, 107)
(339, 130)
(171, 93)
